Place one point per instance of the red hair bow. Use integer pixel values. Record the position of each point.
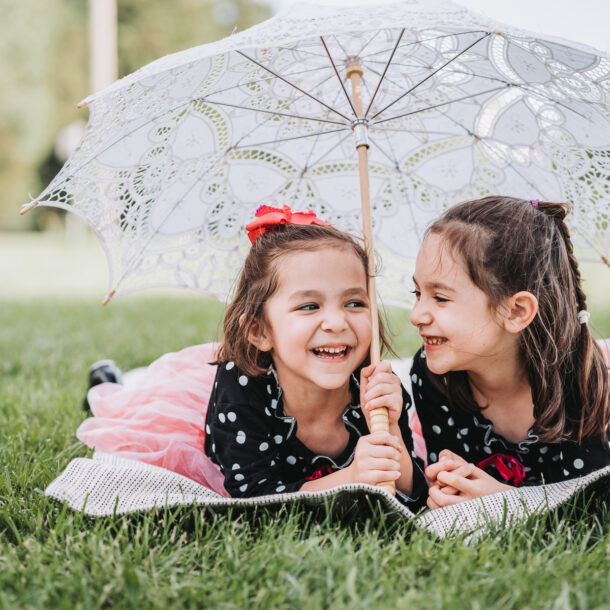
(267, 217)
(510, 468)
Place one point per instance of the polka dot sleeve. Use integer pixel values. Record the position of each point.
(439, 426)
(241, 436)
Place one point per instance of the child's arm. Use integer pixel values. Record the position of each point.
(380, 387)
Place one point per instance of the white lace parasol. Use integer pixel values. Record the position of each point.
(177, 156)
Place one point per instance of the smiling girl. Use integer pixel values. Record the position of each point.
(289, 392)
(510, 386)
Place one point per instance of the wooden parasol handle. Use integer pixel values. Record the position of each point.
(379, 417)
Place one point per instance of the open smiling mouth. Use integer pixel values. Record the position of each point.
(434, 340)
(331, 353)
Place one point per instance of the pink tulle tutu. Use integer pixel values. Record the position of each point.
(161, 419)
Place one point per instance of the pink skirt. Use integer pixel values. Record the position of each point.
(161, 419)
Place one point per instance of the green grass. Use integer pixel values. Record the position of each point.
(52, 327)
(53, 557)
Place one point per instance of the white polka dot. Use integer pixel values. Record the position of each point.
(450, 421)
(241, 437)
(231, 416)
(213, 447)
(414, 378)
(280, 488)
(464, 431)
(243, 380)
(423, 355)
(277, 439)
(487, 450)
(413, 455)
(578, 463)
(466, 448)
(458, 435)
(272, 463)
(419, 382)
(436, 429)
(355, 414)
(207, 429)
(566, 472)
(433, 457)
(543, 450)
(267, 412)
(527, 469)
(291, 459)
(262, 481)
(243, 487)
(229, 365)
(274, 404)
(239, 477)
(269, 389)
(540, 460)
(235, 467)
(445, 408)
(221, 418)
(216, 384)
(263, 447)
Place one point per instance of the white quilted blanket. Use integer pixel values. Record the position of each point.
(106, 485)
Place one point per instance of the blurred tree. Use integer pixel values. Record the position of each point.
(44, 67)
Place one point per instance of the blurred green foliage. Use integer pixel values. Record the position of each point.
(44, 73)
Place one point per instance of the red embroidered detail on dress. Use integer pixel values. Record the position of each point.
(321, 472)
(510, 468)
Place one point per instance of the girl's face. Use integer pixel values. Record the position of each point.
(459, 329)
(318, 325)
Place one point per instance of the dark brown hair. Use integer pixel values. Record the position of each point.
(509, 245)
(258, 281)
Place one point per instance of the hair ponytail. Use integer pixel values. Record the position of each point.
(589, 364)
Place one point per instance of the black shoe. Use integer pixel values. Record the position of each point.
(101, 372)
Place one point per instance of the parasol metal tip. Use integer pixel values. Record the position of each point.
(26, 207)
(81, 104)
(605, 260)
(353, 67)
(498, 32)
(108, 297)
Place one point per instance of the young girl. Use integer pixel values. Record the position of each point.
(290, 400)
(510, 387)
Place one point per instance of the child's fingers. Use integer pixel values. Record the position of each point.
(383, 438)
(462, 484)
(387, 401)
(447, 489)
(440, 498)
(449, 455)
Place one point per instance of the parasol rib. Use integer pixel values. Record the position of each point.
(313, 97)
(384, 72)
(338, 77)
(421, 82)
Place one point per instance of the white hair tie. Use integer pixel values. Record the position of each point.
(583, 316)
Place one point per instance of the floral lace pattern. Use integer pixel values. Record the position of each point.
(177, 156)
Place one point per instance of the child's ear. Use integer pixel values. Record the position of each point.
(258, 336)
(520, 310)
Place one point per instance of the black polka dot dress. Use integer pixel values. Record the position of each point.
(446, 426)
(256, 447)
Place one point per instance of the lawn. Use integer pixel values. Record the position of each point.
(53, 557)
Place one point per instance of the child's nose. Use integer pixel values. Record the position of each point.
(334, 319)
(419, 314)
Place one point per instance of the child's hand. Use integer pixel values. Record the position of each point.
(453, 479)
(379, 387)
(376, 459)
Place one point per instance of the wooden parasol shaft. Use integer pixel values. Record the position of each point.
(379, 417)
